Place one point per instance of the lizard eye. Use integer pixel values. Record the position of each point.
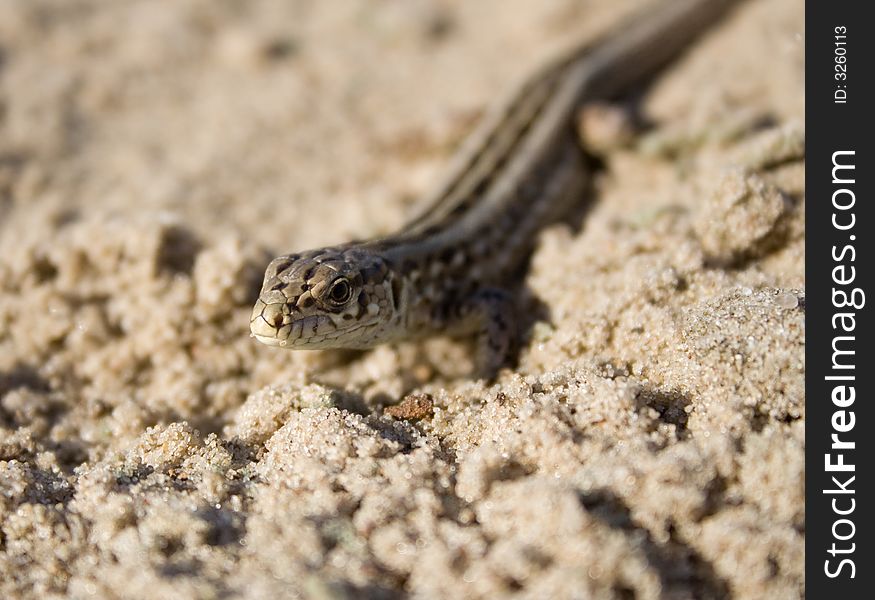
(340, 291)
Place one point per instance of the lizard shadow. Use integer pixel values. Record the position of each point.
(530, 307)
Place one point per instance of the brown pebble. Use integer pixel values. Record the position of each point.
(412, 408)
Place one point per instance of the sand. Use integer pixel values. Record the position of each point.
(648, 443)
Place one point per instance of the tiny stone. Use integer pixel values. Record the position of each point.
(413, 408)
(787, 300)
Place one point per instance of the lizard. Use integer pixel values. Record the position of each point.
(452, 269)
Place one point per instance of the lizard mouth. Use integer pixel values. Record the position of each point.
(273, 328)
(269, 340)
(313, 332)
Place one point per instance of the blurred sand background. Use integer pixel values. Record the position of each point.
(154, 155)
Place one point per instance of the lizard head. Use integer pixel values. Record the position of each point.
(328, 298)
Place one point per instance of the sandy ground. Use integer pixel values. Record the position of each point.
(154, 155)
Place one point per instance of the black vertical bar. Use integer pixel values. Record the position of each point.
(840, 112)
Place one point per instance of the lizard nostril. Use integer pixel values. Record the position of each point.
(273, 315)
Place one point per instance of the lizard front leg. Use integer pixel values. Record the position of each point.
(490, 313)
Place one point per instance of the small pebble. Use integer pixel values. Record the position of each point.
(413, 408)
(787, 300)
